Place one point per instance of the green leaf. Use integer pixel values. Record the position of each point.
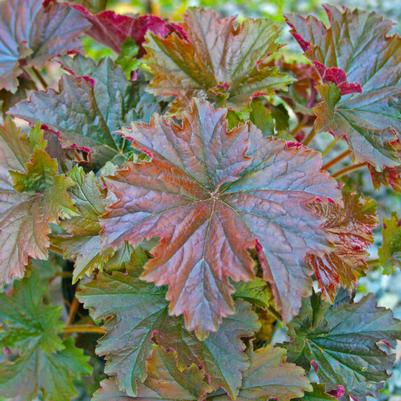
(136, 313)
(359, 43)
(318, 394)
(82, 242)
(270, 376)
(257, 292)
(131, 310)
(127, 58)
(45, 363)
(342, 340)
(107, 102)
(390, 250)
(221, 57)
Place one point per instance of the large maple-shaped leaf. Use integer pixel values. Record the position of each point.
(211, 196)
(139, 312)
(358, 43)
(32, 195)
(351, 231)
(219, 56)
(107, 101)
(45, 363)
(342, 340)
(113, 29)
(31, 34)
(270, 376)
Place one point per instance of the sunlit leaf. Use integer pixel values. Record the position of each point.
(358, 43)
(32, 33)
(220, 56)
(211, 196)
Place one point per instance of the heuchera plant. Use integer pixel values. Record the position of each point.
(180, 193)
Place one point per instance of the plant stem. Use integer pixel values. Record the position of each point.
(373, 263)
(39, 76)
(330, 146)
(337, 159)
(72, 312)
(348, 169)
(83, 328)
(29, 76)
(310, 137)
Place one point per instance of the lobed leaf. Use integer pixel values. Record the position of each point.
(107, 101)
(342, 342)
(112, 29)
(45, 363)
(32, 195)
(140, 318)
(211, 196)
(358, 44)
(351, 232)
(33, 33)
(219, 56)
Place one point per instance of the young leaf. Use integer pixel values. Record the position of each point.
(31, 196)
(211, 196)
(257, 292)
(390, 250)
(358, 43)
(221, 354)
(33, 33)
(351, 232)
(113, 30)
(82, 241)
(107, 101)
(45, 363)
(270, 376)
(342, 340)
(220, 56)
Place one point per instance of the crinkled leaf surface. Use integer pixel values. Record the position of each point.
(137, 309)
(351, 231)
(44, 363)
(211, 196)
(359, 43)
(82, 241)
(219, 56)
(31, 34)
(221, 354)
(88, 110)
(39, 197)
(165, 382)
(390, 250)
(140, 316)
(270, 376)
(342, 340)
(113, 29)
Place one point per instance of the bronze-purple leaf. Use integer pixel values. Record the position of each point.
(211, 195)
